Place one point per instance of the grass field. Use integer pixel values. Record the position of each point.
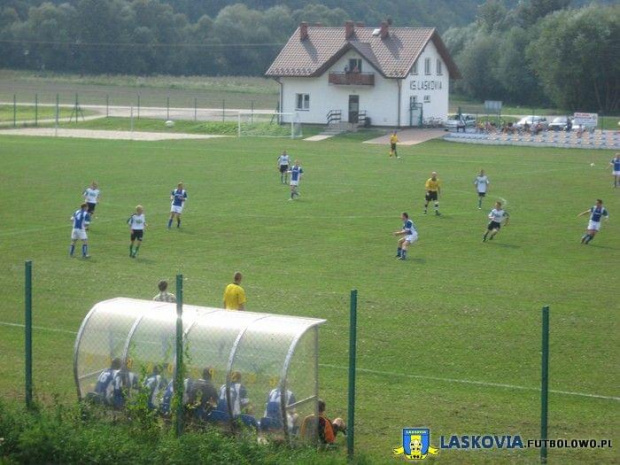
(448, 340)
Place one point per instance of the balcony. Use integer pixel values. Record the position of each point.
(351, 79)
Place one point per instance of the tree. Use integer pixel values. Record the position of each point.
(577, 57)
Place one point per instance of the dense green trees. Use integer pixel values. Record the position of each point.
(541, 53)
(528, 52)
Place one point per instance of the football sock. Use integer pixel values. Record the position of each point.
(135, 252)
(130, 250)
(71, 250)
(169, 222)
(399, 252)
(589, 238)
(178, 223)
(480, 203)
(84, 250)
(403, 254)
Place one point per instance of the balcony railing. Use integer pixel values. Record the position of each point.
(352, 79)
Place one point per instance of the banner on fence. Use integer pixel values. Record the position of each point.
(585, 119)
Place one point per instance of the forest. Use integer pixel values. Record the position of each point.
(564, 53)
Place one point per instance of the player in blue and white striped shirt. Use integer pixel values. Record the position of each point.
(597, 212)
(178, 197)
(409, 236)
(296, 172)
(615, 163)
(80, 219)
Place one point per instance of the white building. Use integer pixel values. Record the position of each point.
(393, 76)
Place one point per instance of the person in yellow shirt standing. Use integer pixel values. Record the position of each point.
(234, 295)
(393, 142)
(433, 188)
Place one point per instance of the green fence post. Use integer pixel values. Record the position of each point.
(107, 105)
(167, 108)
(28, 333)
(14, 110)
(178, 379)
(36, 109)
(352, 357)
(138, 106)
(195, 109)
(544, 394)
(223, 110)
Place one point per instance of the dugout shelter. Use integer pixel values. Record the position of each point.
(269, 351)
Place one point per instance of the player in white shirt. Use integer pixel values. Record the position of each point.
(482, 184)
(283, 164)
(92, 195)
(497, 216)
(137, 224)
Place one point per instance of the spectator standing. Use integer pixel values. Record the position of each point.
(234, 295)
(164, 295)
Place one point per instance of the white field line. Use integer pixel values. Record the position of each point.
(392, 374)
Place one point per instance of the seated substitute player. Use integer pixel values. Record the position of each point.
(408, 234)
(296, 172)
(482, 185)
(283, 163)
(178, 197)
(273, 408)
(80, 219)
(104, 389)
(239, 400)
(92, 196)
(433, 189)
(497, 216)
(200, 395)
(137, 224)
(154, 386)
(597, 212)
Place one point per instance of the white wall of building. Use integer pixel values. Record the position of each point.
(431, 90)
(379, 101)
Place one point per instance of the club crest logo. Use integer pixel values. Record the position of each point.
(416, 444)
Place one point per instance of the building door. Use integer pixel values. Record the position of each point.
(415, 112)
(354, 108)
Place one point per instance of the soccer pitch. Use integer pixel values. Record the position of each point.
(448, 340)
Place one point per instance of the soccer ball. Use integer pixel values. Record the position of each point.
(591, 164)
(169, 123)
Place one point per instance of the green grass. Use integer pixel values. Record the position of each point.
(449, 339)
(28, 115)
(187, 92)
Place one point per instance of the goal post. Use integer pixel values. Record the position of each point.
(269, 124)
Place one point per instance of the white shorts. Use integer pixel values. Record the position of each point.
(294, 183)
(594, 225)
(616, 173)
(78, 234)
(411, 238)
(176, 209)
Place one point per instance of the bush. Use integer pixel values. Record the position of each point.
(86, 434)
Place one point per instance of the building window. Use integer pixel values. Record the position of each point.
(439, 67)
(427, 66)
(355, 65)
(414, 69)
(303, 102)
(427, 99)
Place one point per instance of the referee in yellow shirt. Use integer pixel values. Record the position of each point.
(393, 142)
(433, 188)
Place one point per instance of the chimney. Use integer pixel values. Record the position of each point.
(303, 31)
(349, 29)
(384, 29)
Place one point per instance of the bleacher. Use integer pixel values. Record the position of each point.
(598, 139)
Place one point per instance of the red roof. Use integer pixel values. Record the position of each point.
(392, 56)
